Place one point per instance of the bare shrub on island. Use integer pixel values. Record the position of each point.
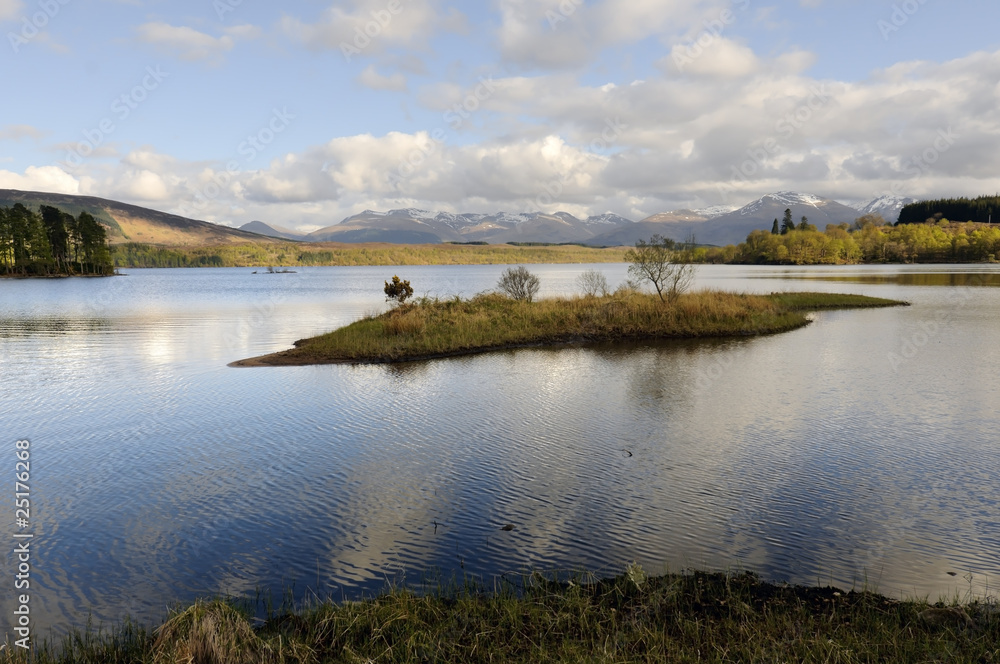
(593, 283)
(661, 263)
(519, 284)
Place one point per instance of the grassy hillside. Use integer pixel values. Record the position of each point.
(132, 223)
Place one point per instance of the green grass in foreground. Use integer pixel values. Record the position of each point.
(698, 616)
(437, 328)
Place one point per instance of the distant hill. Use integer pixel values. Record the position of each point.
(131, 223)
(678, 225)
(261, 228)
(719, 225)
(413, 225)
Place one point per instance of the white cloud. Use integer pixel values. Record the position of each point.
(244, 32)
(17, 132)
(9, 9)
(44, 178)
(368, 27)
(184, 42)
(720, 58)
(637, 148)
(541, 33)
(141, 185)
(371, 78)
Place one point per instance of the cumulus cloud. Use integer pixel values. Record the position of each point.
(141, 185)
(17, 132)
(543, 34)
(189, 44)
(9, 9)
(719, 58)
(43, 178)
(637, 148)
(371, 78)
(368, 27)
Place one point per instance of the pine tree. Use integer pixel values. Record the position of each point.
(787, 224)
(96, 258)
(6, 261)
(774, 227)
(55, 228)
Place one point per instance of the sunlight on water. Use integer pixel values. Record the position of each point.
(862, 447)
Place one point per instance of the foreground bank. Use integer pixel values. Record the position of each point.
(695, 616)
(441, 328)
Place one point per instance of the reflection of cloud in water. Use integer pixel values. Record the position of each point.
(803, 454)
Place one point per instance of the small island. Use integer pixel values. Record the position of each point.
(435, 328)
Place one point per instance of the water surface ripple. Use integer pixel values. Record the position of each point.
(860, 448)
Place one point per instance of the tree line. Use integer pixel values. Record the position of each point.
(869, 240)
(978, 210)
(51, 242)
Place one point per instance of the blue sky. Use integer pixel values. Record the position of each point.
(234, 110)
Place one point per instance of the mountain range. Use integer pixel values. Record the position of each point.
(719, 225)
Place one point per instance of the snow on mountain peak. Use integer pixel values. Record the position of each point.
(715, 211)
(786, 198)
(608, 218)
(887, 205)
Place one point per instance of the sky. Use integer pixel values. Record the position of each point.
(302, 113)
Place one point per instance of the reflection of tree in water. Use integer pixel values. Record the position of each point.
(917, 278)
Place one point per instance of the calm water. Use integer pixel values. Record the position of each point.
(863, 446)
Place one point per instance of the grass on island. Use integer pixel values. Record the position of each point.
(697, 616)
(438, 328)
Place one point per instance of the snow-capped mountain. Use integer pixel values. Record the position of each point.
(888, 206)
(715, 211)
(719, 225)
(788, 199)
(607, 219)
(734, 227)
(416, 225)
